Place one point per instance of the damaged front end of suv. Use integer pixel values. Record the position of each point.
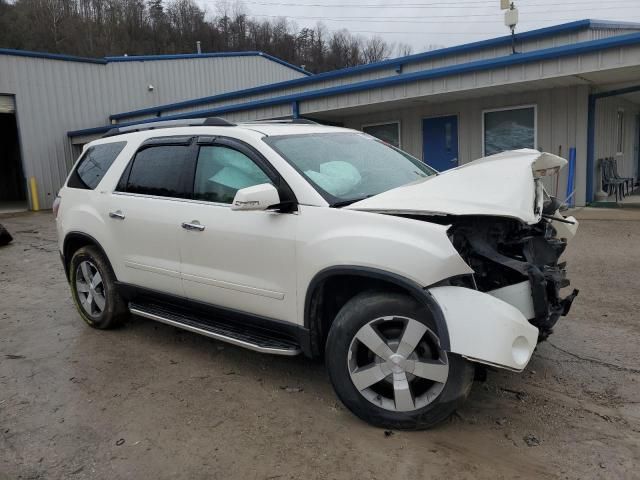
(517, 262)
(503, 225)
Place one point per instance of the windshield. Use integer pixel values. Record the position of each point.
(347, 167)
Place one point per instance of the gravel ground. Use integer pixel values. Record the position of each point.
(151, 401)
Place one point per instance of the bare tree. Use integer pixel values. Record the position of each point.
(136, 27)
(404, 49)
(375, 49)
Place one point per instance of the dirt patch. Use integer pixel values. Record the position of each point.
(151, 401)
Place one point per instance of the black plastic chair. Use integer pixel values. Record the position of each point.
(628, 181)
(610, 183)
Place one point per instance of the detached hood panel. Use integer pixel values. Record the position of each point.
(499, 185)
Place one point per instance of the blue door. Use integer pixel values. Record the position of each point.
(440, 142)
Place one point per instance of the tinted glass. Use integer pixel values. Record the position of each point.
(346, 167)
(388, 132)
(94, 164)
(222, 171)
(509, 130)
(161, 171)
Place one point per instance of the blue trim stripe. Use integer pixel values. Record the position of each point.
(151, 58)
(145, 58)
(50, 56)
(394, 63)
(479, 65)
(182, 56)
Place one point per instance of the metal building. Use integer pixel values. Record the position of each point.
(43, 96)
(568, 88)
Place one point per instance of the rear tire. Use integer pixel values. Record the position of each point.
(94, 290)
(409, 383)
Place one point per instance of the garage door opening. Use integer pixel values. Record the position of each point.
(13, 192)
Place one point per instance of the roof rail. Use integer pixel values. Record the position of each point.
(192, 122)
(301, 121)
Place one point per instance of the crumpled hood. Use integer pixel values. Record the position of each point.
(499, 185)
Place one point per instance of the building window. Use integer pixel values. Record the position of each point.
(509, 129)
(620, 133)
(387, 132)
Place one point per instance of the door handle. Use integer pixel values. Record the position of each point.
(194, 225)
(117, 214)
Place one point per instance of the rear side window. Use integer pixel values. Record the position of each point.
(164, 171)
(94, 164)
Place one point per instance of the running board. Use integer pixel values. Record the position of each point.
(225, 331)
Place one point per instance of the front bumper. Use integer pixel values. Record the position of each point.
(485, 329)
(534, 256)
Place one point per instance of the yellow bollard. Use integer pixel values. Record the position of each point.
(33, 187)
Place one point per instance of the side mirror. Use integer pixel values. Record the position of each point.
(258, 197)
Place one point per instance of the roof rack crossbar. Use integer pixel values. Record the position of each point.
(192, 122)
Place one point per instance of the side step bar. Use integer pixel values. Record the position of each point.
(225, 331)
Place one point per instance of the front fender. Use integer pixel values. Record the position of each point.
(485, 329)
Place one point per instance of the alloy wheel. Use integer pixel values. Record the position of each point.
(397, 364)
(90, 288)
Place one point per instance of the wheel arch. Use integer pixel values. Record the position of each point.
(317, 322)
(74, 241)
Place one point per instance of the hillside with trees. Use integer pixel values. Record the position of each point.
(98, 28)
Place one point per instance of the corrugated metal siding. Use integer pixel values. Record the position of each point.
(555, 68)
(559, 122)
(516, 74)
(598, 33)
(606, 133)
(53, 97)
(557, 40)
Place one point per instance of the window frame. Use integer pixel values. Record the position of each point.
(504, 109)
(196, 142)
(378, 124)
(255, 157)
(620, 130)
(186, 141)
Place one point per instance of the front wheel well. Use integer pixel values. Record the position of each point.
(330, 290)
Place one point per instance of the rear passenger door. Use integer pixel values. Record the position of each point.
(241, 260)
(147, 209)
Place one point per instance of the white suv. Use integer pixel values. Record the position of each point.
(292, 237)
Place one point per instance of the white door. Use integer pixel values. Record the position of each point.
(241, 260)
(145, 214)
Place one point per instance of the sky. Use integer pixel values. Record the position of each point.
(427, 24)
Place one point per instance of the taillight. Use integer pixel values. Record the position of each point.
(56, 206)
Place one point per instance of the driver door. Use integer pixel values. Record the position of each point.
(241, 260)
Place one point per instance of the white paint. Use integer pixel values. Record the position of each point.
(262, 262)
(499, 185)
(486, 329)
(518, 295)
(257, 197)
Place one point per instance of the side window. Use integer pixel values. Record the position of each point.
(222, 171)
(94, 164)
(163, 171)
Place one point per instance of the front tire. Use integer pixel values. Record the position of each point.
(94, 290)
(386, 365)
